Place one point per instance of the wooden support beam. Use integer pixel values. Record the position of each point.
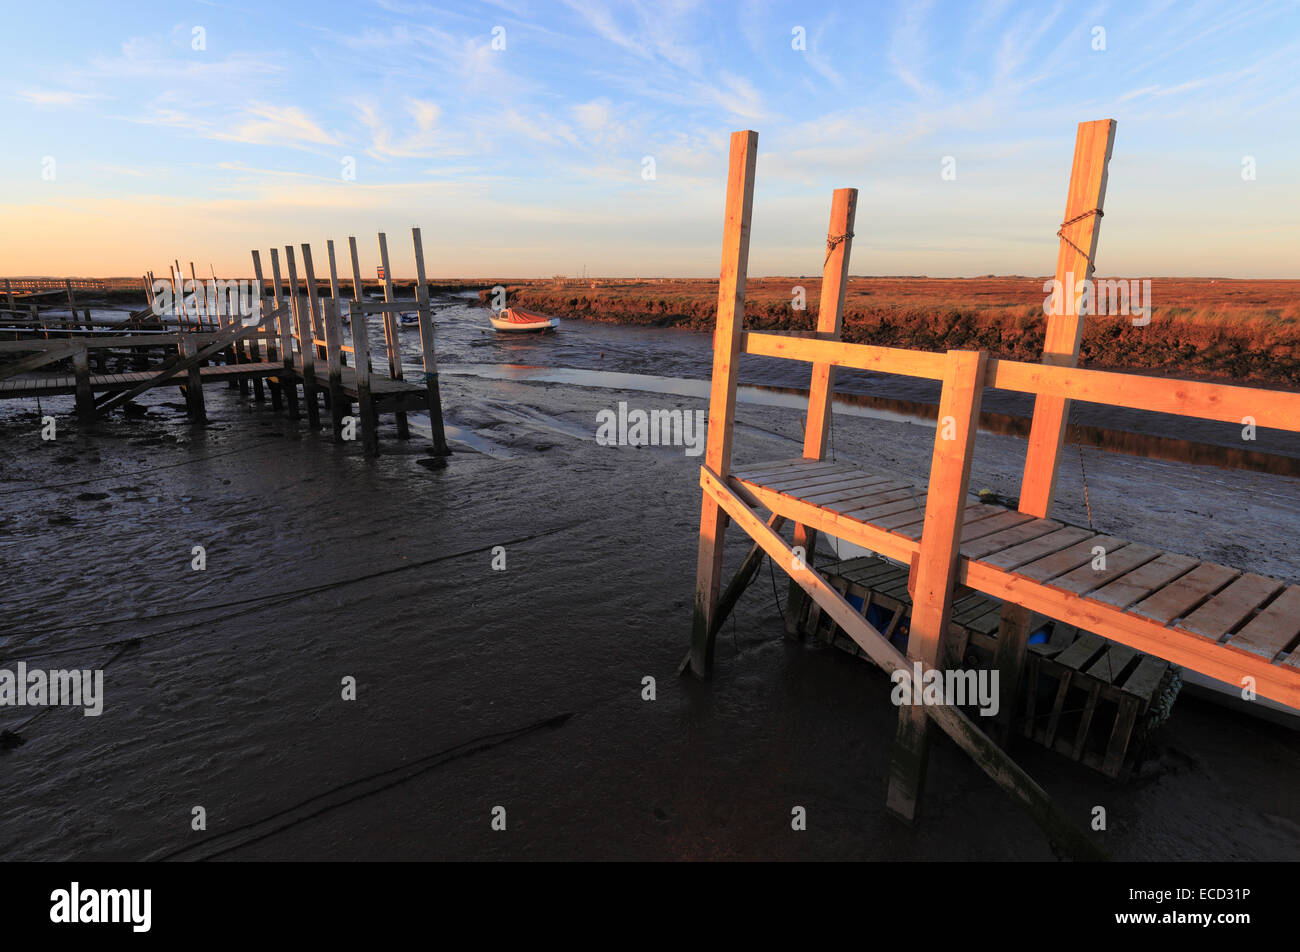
(333, 345)
(36, 361)
(361, 356)
(428, 351)
(306, 349)
(272, 353)
(821, 388)
(366, 408)
(722, 393)
(392, 341)
(81, 366)
(1000, 768)
(1074, 263)
(194, 382)
(936, 568)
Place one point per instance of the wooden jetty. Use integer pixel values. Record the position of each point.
(1235, 626)
(297, 342)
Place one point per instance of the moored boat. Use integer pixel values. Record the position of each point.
(516, 320)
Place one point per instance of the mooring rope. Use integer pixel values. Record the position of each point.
(1060, 232)
(831, 242)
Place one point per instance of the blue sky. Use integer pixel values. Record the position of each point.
(528, 160)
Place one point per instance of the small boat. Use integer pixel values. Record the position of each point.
(410, 317)
(515, 320)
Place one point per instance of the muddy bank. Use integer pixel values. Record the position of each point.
(521, 687)
(1241, 331)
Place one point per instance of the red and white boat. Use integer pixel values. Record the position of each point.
(515, 320)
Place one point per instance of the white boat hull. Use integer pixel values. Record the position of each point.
(514, 327)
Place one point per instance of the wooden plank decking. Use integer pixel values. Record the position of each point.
(1206, 616)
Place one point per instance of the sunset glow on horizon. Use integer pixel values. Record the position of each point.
(531, 139)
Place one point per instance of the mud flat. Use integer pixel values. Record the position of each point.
(523, 688)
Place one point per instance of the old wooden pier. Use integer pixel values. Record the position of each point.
(293, 339)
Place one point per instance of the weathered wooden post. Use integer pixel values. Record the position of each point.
(1079, 232)
(936, 566)
(286, 338)
(272, 330)
(194, 382)
(821, 388)
(333, 343)
(306, 343)
(85, 396)
(365, 408)
(361, 355)
(722, 393)
(427, 350)
(394, 343)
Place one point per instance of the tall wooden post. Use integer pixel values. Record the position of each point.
(271, 329)
(306, 345)
(193, 382)
(286, 338)
(1074, 263)
(821, 389)
(427, 350)
(394, 343)
(1081, 227)
(722, 393)
(936, 567)
(332, 347)
(366, 406)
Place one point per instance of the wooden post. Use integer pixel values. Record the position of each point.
(821, 388)
(178, 281)
(272, 330)
(722, 393)
(286, 338)
(332, 345)
(1074, 262)
(85, 396)
(72, 303)
(936, 568)
(366, 408)
(254, 352)
(361, 356)
(334, 331)
(306, 346)
(390, 335)
(427, 349)
(194, 383)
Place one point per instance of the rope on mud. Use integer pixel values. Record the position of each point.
(408, 771)
(1060, 232)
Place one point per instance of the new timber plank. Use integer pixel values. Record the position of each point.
(861, 484)
(1006, 538)
(1142, 581)
(1026, 552)
(1186, 593)
(1272, 629)
(984, 527)
(783, 484)
(805, 467)
(1086, 578)
(1230, 607)
(1068, 559)
(854, 495)
(822, 482)
(855, 506)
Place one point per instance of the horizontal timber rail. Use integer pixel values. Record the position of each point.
(1225, 403)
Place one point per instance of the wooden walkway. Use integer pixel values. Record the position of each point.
(1205, 616)
(1235, 626)
(41, 385)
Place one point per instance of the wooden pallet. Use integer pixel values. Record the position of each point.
(1083, 696)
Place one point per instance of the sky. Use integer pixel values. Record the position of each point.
(537, 138)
